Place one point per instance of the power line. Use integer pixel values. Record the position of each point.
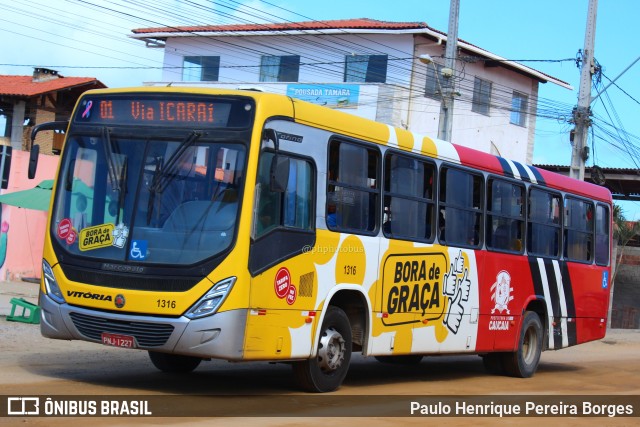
(620, 89)
(317, 49)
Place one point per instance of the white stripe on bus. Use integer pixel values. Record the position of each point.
(547, 299)
(563, 304)
(393, 137)
(447, 151)
(532, 176)
(514, 169)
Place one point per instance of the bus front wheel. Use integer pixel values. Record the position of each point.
(327, 370)
(524, 361)
(174, 363)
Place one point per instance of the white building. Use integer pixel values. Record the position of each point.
(365, 67)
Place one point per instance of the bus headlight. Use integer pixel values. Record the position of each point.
(209, 303)
(50, 283)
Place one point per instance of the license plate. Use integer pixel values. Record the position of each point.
(116, 340)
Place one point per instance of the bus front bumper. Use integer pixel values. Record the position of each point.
(219, 336)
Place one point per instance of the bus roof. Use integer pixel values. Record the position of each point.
(383, 134)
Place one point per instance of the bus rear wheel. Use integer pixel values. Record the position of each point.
(524, 361)
(327, 370)
(174, 363)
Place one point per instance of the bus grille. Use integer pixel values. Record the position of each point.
(146, 334)
(129, 281)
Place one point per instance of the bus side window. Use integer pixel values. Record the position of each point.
(505, 215)
(408, 206)
(290, 209)
(461, 205)
(602, 235)
(353, 189)
(578, 232)
(544, 223)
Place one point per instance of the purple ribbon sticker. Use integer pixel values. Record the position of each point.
(87, 110)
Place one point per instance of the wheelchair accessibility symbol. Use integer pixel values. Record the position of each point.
(138, 250)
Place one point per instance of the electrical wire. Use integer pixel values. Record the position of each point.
(324, 54)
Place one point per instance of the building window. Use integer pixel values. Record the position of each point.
(365, 68)
(433, 86)
(201, 68)
(481, 96)
(279, 68)
(353, 189)
(519, 106)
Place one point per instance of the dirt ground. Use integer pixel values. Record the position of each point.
(31, 365)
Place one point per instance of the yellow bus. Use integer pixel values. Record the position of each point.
(246, 226)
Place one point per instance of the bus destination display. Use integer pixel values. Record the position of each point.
(166, 111)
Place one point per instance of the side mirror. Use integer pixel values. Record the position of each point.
(35, 149)
(279, 174)
(33, 161)
(5, 165)
(57, 126)
(273, 136)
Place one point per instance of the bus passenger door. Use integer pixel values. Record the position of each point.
(282, 293)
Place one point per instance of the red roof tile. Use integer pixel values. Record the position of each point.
(25, 86)
(360, 23)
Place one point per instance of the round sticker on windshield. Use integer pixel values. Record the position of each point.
(64, 228)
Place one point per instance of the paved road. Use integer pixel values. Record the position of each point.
(33, 365)
(9, 290)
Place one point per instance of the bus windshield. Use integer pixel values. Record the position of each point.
(169, 199)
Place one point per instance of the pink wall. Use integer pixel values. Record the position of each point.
(24, 228)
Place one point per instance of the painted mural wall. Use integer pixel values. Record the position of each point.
(22, 230)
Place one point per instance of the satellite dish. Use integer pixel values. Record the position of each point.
(597, 175)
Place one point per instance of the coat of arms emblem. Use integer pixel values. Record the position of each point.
(502, 292)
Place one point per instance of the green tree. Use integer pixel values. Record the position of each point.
(623, 232)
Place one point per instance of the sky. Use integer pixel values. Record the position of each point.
(88, 38)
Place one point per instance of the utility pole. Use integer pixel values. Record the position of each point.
(445, 125)
(582, 113)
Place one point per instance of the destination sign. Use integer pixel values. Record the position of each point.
(166, 110)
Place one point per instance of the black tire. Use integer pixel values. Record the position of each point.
(524, 361)
(174, 363)
(405, 359)
(494, 363)
(327, 370)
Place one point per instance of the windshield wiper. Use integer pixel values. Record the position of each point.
(163, 175)
(122, 191)
(108, 153)
(117, 168)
